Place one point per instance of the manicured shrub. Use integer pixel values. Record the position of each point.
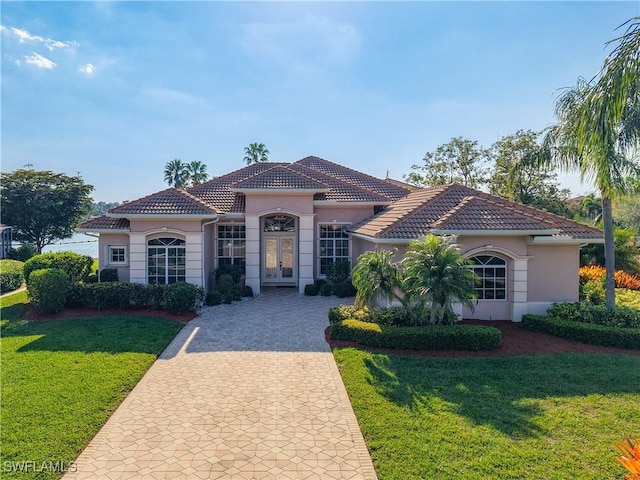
(590, 333)
(593, 292)
(338, 271)
(319, 282)
(76, 295)
(344, 289)
(326, 290)
(76, 266)
(117, 295)
(213, 298)
(311, 290)
(398, 316)
(247, 291)
(48, 288)
(11, 276)
(234, 270)
(236, 293)
(109, 275)
(182, 297)
(224, 284)
(430, 337)
(597, 314)
(345, 312)
(23, 253)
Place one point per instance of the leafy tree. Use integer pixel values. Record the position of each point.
(176, 173)
(196, 172)
(256, 153)
(436, 273)
(375, 277)
(599, 129)
(521, 175)
(459, 161)
(102, 207)
(592, 208)
(626, 252)
(43, 206)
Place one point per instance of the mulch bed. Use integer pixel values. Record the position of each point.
(31, 314)
(515, 341)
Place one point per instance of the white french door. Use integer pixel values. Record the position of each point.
(278, 262)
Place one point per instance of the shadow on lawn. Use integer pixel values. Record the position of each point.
(501, 392)
(110, 334)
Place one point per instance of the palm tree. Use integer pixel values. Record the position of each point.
(256, 153)
(196, 172)
(592, 206)
(175, 173)
(436, 274)
(375, 277)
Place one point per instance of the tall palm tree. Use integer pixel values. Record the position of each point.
(435, 274)
(175, 173)
(256, 153)
(375, 277)
(196, 172)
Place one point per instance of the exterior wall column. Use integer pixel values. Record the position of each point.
(138, 257)
(193, 252)
(252, 252)
(519, 305)
(306, 238)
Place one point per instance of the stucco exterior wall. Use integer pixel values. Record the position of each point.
(107, 239)
(553, 273)
(146, 225)
(259, 203)
(328, 214)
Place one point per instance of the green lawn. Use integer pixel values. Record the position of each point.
(530, 417)
(61, 379)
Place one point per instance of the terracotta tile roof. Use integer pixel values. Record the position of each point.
(171, 201)
(280, 177)
(353, 177)
(105, 223)
(458, 208)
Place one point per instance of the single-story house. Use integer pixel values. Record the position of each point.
(285, 223)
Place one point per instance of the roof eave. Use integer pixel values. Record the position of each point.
(109, 230)
(495, 233)
(347, 203)
(183, 216)
(563, 240)
(391, 241)
(279, 191)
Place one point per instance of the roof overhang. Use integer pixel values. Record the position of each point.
(563, 240)
(336, 203)
(105, 230)
(173, 216)
(279, 191)
(388, 241)
(495, 233)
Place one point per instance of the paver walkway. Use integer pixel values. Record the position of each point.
(245, 391)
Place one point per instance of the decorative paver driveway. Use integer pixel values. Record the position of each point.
(245, 391)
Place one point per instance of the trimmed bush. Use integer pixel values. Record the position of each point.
(590, 333)
(326, 290)
(116, 295)
(344, 289)
(345, 312)
(23, 253)
(213, 298)
(11, 276)
(48, 288)
(234, 270)
(432, 337)
(398, 316)
(109, 275)
(247, 291)
(598, 314)
(182, 297)
(76, 295)
(76, 266)
(338, 271)
(311, 290)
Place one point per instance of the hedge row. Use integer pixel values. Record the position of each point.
(432, 337)
(76, 266)
(587, 313)
(11, 277)
(590, 333)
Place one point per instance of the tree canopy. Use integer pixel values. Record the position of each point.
(43, 206)
(256, 153)
(179, 174)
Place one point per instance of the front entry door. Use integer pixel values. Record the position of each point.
(279, 266)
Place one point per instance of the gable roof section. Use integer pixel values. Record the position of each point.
(105, 223)
(171, 201)
(279, 177)
(456, 209)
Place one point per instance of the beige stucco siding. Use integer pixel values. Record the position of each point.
(516, 245)
(261, 203)
(109, 239)
(553, 273)
(326, 214)
(147, 225)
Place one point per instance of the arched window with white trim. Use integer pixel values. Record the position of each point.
(166, 260)
(491, 277)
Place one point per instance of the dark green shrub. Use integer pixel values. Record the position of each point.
(11, 276)
(120, 295)
(76, 266)
(398, 316)
(590, 333)
(234, 270)
(344, 289)
(236, 293)
(345, 312)
(319, 282)
(338, 271)
(76, 295)
(593, 292)
(48, 288)
(182, 297)
(431, 337)
(311, 290)
(247, 291)
(586, 313)
(109, 275)
(326, 290)
(224, 284)
(23, 253)
(93, 278)
(213, 298)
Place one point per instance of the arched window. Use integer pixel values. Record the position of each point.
(166, 260)
(279, 223)
(491, 273)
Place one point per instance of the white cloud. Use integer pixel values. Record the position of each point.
(53, 44)
(40, 61)
(24, 36)
(88, 69)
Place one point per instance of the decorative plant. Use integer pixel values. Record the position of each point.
(630, 458)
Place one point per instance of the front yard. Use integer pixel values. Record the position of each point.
(528, 417)
(61, 379)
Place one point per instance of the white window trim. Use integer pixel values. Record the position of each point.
(217, 239)
(110, 261)
(318, 256)
(506, 277)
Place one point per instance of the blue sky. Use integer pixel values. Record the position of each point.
(114, 90)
